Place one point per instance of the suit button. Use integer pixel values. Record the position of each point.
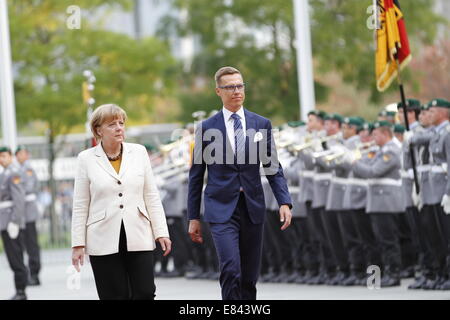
(120, 194)
(118, 182)
(121, 206)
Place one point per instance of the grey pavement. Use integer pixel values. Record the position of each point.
(61, 282)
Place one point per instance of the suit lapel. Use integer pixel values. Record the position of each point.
(103, 161)
(125, 159)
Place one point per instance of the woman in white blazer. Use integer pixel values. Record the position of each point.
(117, 212)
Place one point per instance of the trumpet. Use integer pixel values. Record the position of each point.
(356, 153)
(314, 142)
(166, 148)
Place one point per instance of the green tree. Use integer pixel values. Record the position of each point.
(258, 37)
(49, 59)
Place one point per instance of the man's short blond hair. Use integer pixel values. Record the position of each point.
(223, 72)
(105, 113)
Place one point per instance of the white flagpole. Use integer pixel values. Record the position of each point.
(8, 109)
(304, 58)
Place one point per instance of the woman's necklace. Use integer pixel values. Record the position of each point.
(116, 157)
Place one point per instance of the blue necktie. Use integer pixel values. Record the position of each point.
(239, 140)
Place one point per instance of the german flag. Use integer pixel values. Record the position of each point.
(391, 43)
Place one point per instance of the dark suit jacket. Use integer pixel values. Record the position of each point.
(226, 174)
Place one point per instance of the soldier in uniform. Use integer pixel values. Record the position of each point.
(31, 245)
(12, 220)
(305, 197)
(173, 201)
(440, 183)
(426, 219)
(355, 201)
(321, 184)
(347, 243)
(409, 226)
(385, 199)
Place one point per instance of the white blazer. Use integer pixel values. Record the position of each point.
(104, 198)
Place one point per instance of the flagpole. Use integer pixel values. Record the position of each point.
(405, 116)
(8, 110)
(304, 58)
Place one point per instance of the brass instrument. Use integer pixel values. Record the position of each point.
(313, 142)
(166, 148)
(357, 153)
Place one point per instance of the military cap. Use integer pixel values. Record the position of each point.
(295, 124)
(20, 147)
(334, 116)
(367, 126)
(5, 149)
(383, 123)
(354, 121)
(441, 103)
(385, 113)
(398, 128)
(318, 113)
(411, 104)
(149, 147)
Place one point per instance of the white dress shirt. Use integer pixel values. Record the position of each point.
(229, 123)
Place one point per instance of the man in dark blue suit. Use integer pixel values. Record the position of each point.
(231, 146)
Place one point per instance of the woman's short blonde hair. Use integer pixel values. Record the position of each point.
(103, 113)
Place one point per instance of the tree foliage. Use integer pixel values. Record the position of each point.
(258, 37)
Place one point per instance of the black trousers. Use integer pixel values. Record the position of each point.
(272, 256)
(417, 235)
(304, 257)
(124, 275)
(352, 241)
(385, 227)
(434, 254)
(327, 259)
(334, 236)
(14, 254)
(365, 230)
(31, 246)
(313, 248)
(408, 244)
(444, 221)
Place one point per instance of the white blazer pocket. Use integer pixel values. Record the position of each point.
(143, 212)
(96, 217)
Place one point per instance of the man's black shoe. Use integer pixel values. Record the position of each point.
(20, 295)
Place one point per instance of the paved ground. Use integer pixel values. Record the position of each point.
(59, 282)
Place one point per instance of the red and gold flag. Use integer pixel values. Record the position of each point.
(392, 43)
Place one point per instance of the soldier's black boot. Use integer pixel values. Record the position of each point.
(319, 278)
(391, 278)
(354, 278)
(307, 277)
(408, 272)
(339, 278)
(33, 281)
(418, 283)
(20, 295)
(445, 285)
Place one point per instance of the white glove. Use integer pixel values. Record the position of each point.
(349, 157)
(417, 199)
(13, 230)
(445, 203)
